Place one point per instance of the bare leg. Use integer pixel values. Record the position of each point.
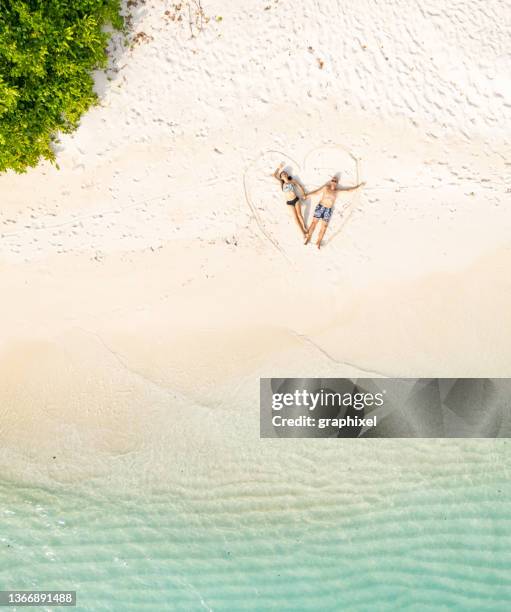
(297, 219)
(312, 227)
(322, 231)
(298, 211)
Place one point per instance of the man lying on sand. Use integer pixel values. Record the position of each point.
(329, 192)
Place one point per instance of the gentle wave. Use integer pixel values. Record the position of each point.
(294, 541)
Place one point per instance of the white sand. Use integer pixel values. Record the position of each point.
(138, 282)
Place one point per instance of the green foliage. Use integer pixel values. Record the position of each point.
(48, 49)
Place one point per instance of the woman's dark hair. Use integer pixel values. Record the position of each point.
(282, 183)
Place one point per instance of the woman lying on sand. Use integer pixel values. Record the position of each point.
(290, 187)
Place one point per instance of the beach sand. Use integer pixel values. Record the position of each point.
(159, 258)
(152, 279)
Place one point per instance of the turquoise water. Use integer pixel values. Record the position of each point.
(384, 537)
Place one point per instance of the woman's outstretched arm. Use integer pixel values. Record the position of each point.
(277, 172)
(299, 186)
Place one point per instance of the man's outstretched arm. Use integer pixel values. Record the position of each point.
(309, 193)
(352, 188)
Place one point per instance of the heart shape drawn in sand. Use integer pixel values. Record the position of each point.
(318, 165)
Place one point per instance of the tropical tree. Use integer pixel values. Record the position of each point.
(48, 50)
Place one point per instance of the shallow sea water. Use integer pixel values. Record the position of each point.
(423, 526)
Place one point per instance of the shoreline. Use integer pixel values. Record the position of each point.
(153, 357)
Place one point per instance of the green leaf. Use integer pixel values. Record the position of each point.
(48, 50)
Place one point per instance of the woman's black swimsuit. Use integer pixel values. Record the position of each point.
(292, 202)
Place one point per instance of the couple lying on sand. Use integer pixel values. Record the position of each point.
(295, 194)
